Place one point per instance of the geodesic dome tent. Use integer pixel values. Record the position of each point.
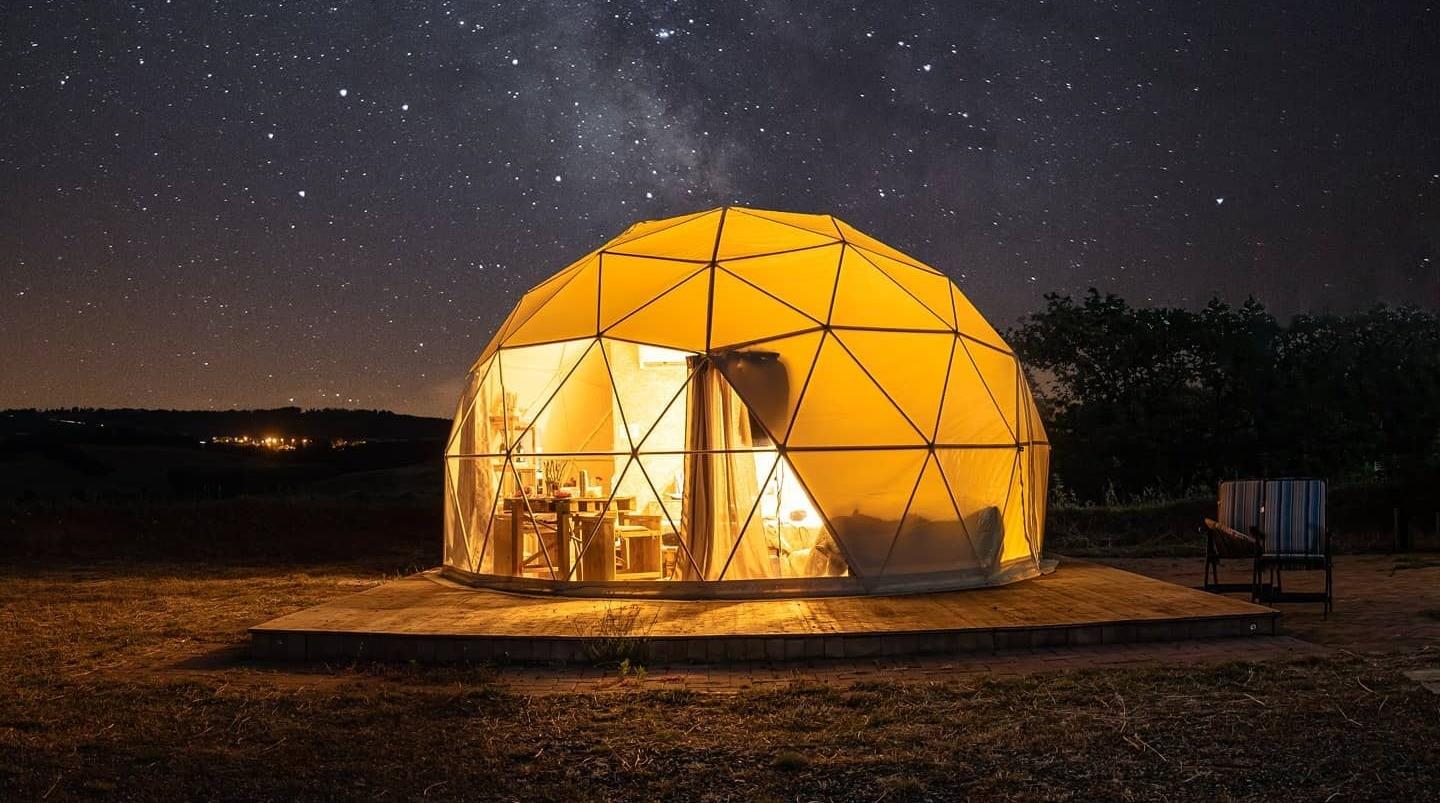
(744, 402)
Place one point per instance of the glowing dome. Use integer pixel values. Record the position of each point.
(743, 402)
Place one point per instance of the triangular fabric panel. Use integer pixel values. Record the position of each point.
(744, 234)
(1001, 373)
(769, 377)
(674, 320)
(803, 279)
(1016, 515)
(823, 225)
(567, 315)
(648, 227)
(743, 314)
(628, 283)
(692, 240)
(981, 480)
(873, 245)
(931, 289)
(839, 396)
(971, 413)
(1039, 489)
(910, 366)
(538, 297)
(866, 297)
(863, 507)
(1036, 428)
(972, 324)
(933, 537)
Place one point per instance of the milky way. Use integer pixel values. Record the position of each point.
(263, 203)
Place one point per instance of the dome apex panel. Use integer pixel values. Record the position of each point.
(743, 234)
(690, 239)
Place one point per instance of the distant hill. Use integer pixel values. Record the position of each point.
(91, 425)
(87, 455)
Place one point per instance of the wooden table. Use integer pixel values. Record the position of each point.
(510, 554)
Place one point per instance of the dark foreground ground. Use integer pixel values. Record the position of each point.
(127, 682)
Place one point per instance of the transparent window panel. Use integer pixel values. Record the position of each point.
(650, 395)
(531, 379)
(603, 544)
(472, 485)
(842, 406)
(721, 492)
(480, 429)
(457, 543)
(803, 279)
(474, 384)
(658, 485)
(797, 542)
(578, 416)
(863, 496)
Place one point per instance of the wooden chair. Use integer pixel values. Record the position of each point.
(1235, 535)
(1296, 538)
(1276, 525)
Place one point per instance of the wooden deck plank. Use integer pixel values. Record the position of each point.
(1078, 597)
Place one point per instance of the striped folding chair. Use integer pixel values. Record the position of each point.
(1295, 536)
(1235, 533)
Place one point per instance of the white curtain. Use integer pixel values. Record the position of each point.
(720, 488)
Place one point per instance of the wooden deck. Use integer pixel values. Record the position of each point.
(427, 618)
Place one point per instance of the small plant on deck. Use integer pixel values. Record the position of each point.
(621, 636)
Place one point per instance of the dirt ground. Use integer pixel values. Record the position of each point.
(131, 683)
(1383, 603)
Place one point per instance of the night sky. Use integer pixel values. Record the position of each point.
(243, 204)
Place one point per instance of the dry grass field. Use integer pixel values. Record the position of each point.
(129, 682)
